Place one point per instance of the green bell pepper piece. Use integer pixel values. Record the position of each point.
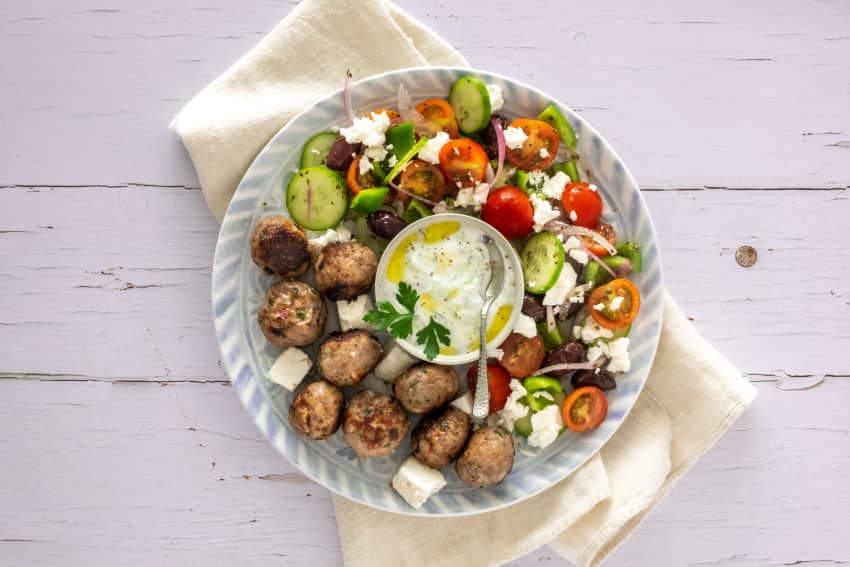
(415, 210)
(369, 200)
(402, 139)
(568, 167)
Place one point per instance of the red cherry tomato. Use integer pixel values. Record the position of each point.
(498, 382)
(439, 116)
(585, 408)
(607, 232)
(539, 150)
(464, 162)
(509, 211)
(582, 204)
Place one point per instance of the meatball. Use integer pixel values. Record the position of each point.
(374, 424)
(568, 353)
(439, 438)
(293, 314)
(345, 270)
(279, 246)
(316, 411)
(487, 459)
(424, 387)
(346, 358)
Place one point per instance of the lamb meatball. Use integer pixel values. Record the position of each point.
(487, 459)
(346, 358)
(293, 314)
(316, 411)
(345, 270)
(438, 438)
(424, 387)
(279, 246)
(374, 424)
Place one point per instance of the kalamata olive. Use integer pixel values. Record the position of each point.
(488, 138)
(600, 378)
(341, 154)
(567, 353)
(385, 224)
(532, 306)
(575, 308)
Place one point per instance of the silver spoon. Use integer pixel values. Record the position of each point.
(481, 404)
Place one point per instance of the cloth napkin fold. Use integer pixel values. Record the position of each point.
(691, 397)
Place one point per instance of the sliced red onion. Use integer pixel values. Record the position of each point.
(599, 261)
(564, 366)
(489, 176)
(408, 113)
(413, 195)
(500, 142)
(550, 319)
(346, 96)
(573, 230)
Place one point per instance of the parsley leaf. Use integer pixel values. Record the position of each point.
(431, 336)
(385, 315)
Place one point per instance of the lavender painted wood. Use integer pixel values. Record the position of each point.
(107, 443)
(715, 94)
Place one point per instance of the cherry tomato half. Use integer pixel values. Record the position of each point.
(539, 150)
(509, 211)
(439, 116)
(585, 408)
(582, 204)
(391, 114)
(498, 382)
(606, 231)
(357, 182)
(423, 179)
(615, 305)
(522, 355)
(464, 162)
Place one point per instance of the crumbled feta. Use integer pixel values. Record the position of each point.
(577, 294)
(290, 368)
(351, 313)
(497, 100)
(537, 178)
(364, 165)
(579, 255)
(543, 394)
(315, 151)
(513, 409)
(591, 332)
(543, 212)
(376, 153)
(593, 187)
(340, 234)
(464, 402)
(392, 161)
(525, 326)
(546, 425)
(514, 137)
(368, 131)
(456, 152)
(573, 216)
(572, 242)
(599, 306)
(416, 483)
(616, 302)
(431, 151)
(617, 352)
(544, 153)
(557, 294)
(472, 196)
(395, 361)
(554, 186)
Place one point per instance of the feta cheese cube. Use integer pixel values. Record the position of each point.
(591, 332)
(546, 425)
(318, 241)
(497, 99)
(513, 409)
(395, 361)
(369, 131)
(543, 212)
(525, 326)
(351, 313)
(290, 368)
(464, 402)
(553, 186)
(416, 483)
(431, 151)
(514, 137)
(557, 294)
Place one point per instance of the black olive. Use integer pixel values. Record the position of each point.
(385, 224)
(341, 154)
(600, 378)
(567, 353)
(532, 307)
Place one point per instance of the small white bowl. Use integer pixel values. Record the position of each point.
(385, 290)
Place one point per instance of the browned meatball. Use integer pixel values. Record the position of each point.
(345, 270)
(438, 438)
(374, 424)
(293, 314)
(424, 387)
(279, 246)
(488, 457)
(346, 358)
(316, 411)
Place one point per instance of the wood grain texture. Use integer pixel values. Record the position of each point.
(120, 440)
(696, 94)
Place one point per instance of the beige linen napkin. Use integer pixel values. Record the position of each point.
(692, 395)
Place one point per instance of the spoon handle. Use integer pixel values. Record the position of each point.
(481, 404)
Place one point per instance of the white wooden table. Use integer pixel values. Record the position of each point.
(120, 440)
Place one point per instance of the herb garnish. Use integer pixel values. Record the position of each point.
(431, 336)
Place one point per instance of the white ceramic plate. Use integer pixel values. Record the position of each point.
(238, 288)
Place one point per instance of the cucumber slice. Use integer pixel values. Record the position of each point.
(553, 116)
(316, 149)
(542, 258)
(631, 250)
(569, 167)
(316, 198)
(523, 426)
(551, 340)
(522, 179)
(470, 102)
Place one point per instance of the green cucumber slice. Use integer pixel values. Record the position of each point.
(569, 167)
(470, 102)
(402, 139)
(522, 179)
(555, 117)
(317, 198)
(551, 340)
(316, 149)
(415, 210)
(523, 426)
(542, 258)
(631, 250)
(369, 200)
